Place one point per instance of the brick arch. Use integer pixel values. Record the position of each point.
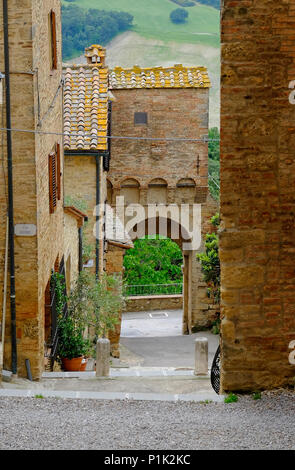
(130, 189)
(158, 181)
(186, 190)
(130, 182)
(187, 260)
(157, 191)
(186, 183)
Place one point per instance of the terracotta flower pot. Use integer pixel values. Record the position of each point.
(83, 364)
(72, 365)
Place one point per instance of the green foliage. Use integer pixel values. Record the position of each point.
(192, 3)
(214, 147)
(211, 3)
(231, 398)
(214, 162)
(216, 327)
(151, 20)
(58, 282)
(77, 202)
(91, 304)
(39, 396)
(215, 220)
(153, 260)
(179, 16)
(71, 342)
(70, 332)
(96, 304)
(81, 27)
(210, 266)
(256, 396)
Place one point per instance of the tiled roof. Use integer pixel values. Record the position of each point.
(85, 108)
(177, 76)
(86, 96)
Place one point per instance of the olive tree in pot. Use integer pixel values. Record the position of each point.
(96, 305)
(72, 345)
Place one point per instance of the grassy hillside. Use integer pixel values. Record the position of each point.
(151, 20)
(154, 40)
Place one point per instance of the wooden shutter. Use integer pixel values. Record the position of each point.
(52, 183)
(58, 171)
(52, 21)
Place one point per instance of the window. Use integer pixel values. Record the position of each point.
(58, 171)
(52, 182)
(54, 169)
(52, 40)
(140, 118)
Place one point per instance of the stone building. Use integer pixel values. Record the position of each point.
(143, 110)
(40, 225)
(257, 244)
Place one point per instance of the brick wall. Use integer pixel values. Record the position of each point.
(155, 302)
(32, 94)
(257, 193)
(170, 113)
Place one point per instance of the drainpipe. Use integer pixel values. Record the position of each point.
(80, 232)
(10, 190)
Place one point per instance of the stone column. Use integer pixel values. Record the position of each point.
(103, 357)
(201, 356)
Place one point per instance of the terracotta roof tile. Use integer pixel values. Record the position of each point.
(86, 96)
(85, 107)
(177, 76)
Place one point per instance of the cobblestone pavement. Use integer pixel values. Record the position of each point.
(36, 423)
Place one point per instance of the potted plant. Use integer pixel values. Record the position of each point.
(72, 345)
(95, 305)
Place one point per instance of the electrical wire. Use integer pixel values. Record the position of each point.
(51, 106)
(214, 181)
(159, 139)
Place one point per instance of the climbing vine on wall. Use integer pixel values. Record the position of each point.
(210, 266)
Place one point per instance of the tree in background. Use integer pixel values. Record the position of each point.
(153, 260)
(82, 27)
(179, 16)
(211, 3)
(214, 162)
(191, 3)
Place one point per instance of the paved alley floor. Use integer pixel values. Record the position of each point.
(157, 363)
(154, 339)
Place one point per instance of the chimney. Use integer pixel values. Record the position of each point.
(95, 55)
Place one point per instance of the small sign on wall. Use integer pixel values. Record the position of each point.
(25, 230)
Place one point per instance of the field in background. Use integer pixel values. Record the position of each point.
(156, 41)
(151, 19)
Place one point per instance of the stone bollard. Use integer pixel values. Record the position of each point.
(103, 350)
(201, 356)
